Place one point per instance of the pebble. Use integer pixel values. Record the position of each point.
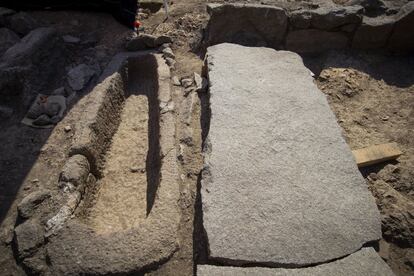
(385, 118)
(186, 82)
(67, 128)
(168, 53)
(134, 169)
(170, 62)
(175, 81)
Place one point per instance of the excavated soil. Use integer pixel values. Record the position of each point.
(372, 96)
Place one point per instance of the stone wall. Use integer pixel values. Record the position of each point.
(310, 31)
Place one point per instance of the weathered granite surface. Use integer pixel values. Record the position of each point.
(365, 262)
(280, 184)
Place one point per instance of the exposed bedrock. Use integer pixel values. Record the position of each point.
(280, 186)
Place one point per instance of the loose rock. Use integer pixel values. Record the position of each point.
(80, 76)
(75, 171)
(7, 39)
(168, 53)
(200, 83)
(186, 82)
(176, 81)
(402, 37)
(22, 23)
(170, 62)
(163, 39)
(29, 236)
(372, 33)
(28, 205)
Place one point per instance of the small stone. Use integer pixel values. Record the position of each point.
(186, 82)
(134, 169)
(164, 46)
(200, 83)
(385, 118)
(29, 236)
(67, 128)
(142, 15)
(36, 180)
(373, 176)
(70, 39)
(175, 81)
(29, 204)
(168, 53)
(170, 62)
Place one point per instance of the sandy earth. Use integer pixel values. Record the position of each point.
(371, 94)
(121, 200)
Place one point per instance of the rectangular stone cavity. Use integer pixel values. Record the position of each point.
(280, 184)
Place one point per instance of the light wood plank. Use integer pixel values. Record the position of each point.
(376, 154)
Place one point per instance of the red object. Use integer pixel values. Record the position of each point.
(137, 24)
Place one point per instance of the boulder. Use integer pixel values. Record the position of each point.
(4, 14)
(29, 236)
(251, 25)
(328, 18)
(28, 205)
(402, 37)
(136, 44)
(280, 185)
(7, 39)
(313, 41)
(373, 33)
(79, 76)
(22, 23)
(29, 49)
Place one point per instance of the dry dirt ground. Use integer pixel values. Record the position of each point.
(371, 94)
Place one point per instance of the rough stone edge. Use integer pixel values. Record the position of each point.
(391, 20)
(367, 253)
(164, 222)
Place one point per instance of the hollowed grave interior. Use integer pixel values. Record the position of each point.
(130, 177)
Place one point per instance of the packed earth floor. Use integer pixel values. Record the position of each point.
(371, 93)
